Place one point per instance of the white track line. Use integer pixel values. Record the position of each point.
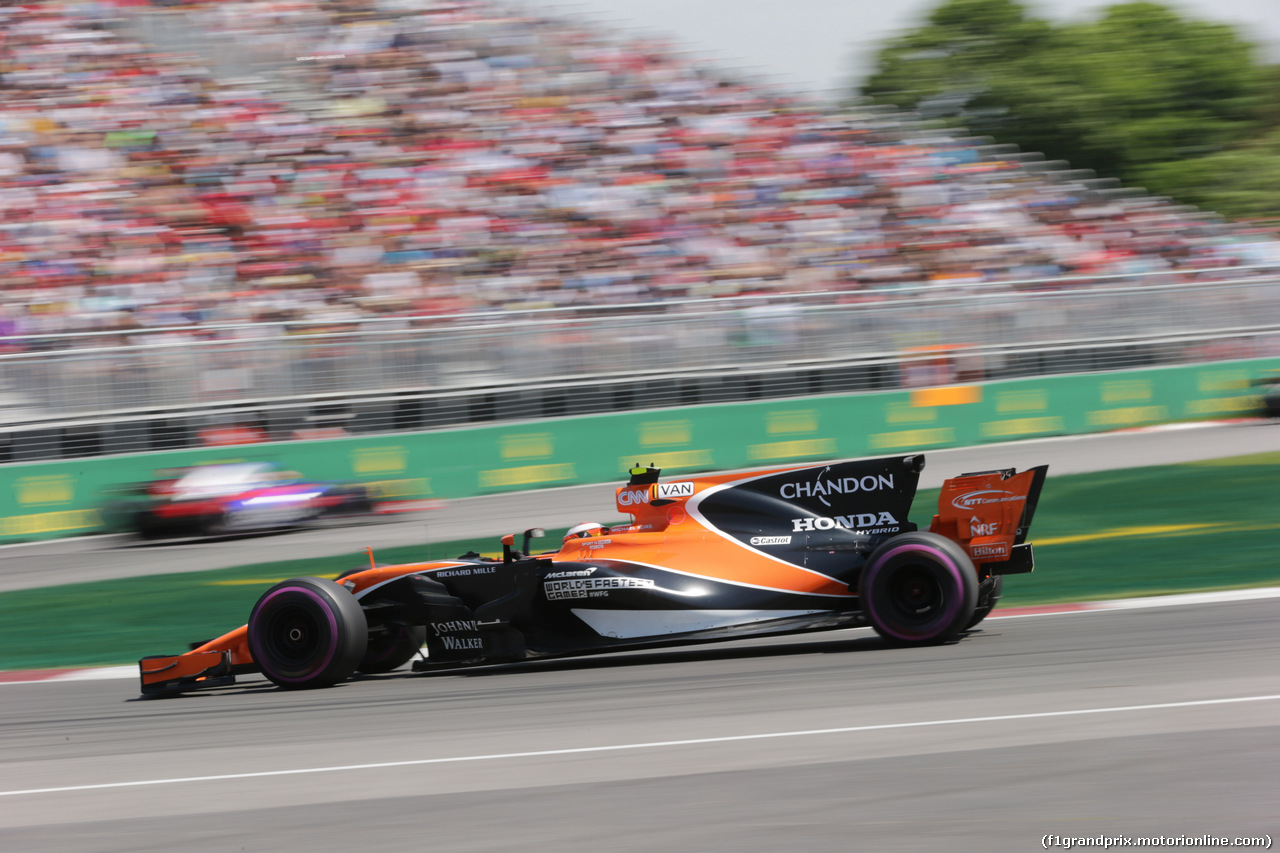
(665, 744)
(1214, 597)
(1182, 599)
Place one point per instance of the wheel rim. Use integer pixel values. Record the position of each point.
(297, 635)
(915, 593)
(292, 634)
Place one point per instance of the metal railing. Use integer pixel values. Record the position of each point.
(115, 373)
(393, 374)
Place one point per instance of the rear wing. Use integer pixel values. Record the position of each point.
(989, 514)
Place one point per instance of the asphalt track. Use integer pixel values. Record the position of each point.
(103, 557)
(1161, 721)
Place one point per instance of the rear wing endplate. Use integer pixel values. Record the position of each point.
(989, 513)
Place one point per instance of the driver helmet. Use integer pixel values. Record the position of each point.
(583, 530)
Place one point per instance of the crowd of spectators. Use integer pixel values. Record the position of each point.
(428, 159)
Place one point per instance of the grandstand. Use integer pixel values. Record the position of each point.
(404, 216)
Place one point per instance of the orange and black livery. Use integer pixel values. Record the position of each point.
(701, 558)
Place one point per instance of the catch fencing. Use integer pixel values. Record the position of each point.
(161, 388)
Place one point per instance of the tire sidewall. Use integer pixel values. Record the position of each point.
(940, 561)
(988, 602)
(333, 635)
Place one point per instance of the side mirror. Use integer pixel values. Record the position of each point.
(531, 534)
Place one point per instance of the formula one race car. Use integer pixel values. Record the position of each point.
(239, 497)
(1270, 395)
(704, 558)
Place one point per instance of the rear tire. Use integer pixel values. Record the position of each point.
(987, 602)
(918, 588)
(392, 648)
(307, 632)
(359, 502)
(215, 525)
(147, 527)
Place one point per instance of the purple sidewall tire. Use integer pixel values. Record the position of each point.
(918, 588)
(307, 632)
(330, 639)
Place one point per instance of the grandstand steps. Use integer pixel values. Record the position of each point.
(1024, 157)
(1046, 165)
(1127, 194)
(974, 141)
(270, 66)
(1078, 176)
(423, 409)
(999, 151)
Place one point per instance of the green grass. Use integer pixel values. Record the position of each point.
(119, 621)
(1146, 531)
(1149, 531)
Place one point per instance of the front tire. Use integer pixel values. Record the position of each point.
(918, 588)
(392, 648)
(307, 632)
